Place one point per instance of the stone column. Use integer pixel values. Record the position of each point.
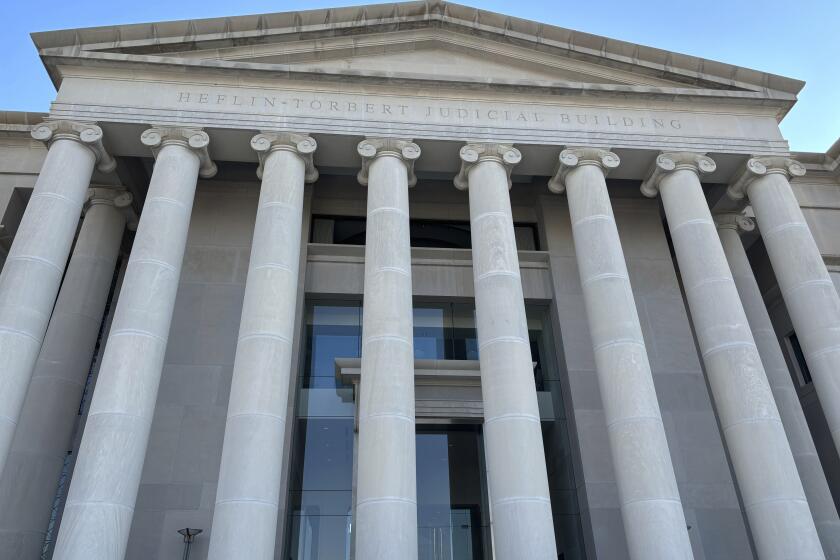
(247, 498)
(810, 296)
(100, 504)
(811, 473)
(772, 493)
(386, 491)
(45, 431)
(516, 471)
(653, 516)
(35, 264)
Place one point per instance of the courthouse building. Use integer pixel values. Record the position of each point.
(413, 281)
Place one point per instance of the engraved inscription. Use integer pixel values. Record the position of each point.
(477, 113)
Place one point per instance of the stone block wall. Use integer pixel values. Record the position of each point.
(178, 485)
(705, 481)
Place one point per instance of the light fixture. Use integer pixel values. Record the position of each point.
(188, 534)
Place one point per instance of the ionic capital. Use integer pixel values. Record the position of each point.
(117, 197)
(193, 139)
(734, 221)
(473, 154)
(668, 162)
(758, 167)
(87, 134)
(572, 158)
(303, 145)
(372, 148)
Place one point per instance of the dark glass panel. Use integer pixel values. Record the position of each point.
(451, 235)
(323, 455)
(465, 342)
(799, 357)
(432, 331)
(332, 331)
(319, 537)
(447, 234)
(452, 514)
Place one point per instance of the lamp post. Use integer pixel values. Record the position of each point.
(188, 539)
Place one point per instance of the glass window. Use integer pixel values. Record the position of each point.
(319, 537)
(324, 449)
(321, 476)
(451, 235)
(798, 358)
(322, 489)
(333, 330)
(526, 237)
(432, 328)
(464, 338)
(350, 230)
(452, 513)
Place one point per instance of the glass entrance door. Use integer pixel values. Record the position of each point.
(452, 514)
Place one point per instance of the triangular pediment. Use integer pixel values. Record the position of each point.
(429, 54)
(440, 61)
(430, 41)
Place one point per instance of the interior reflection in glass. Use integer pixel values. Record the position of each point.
(452, 515)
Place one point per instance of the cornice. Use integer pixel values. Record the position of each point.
(303, 145)
(160, 36)
(57, 61)
(472, 154)
(760, 167)
(572, 158)
(20, 123)
(87, 134)
(668, 162)
(372, 148)
(193, 139)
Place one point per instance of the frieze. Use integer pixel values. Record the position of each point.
(425, 114)
(470, 113)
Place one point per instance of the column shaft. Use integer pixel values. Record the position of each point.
(386, 491)
(772, 493)
(100, 504)
(516, 470)
(45, 431)
(33, 270)
(247, 499)
(810, 296)
(653, 516)
(787, 400)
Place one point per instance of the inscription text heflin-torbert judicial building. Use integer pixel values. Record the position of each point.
(472, 114)
(413, 281)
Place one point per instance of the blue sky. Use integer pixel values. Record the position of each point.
(800, 40)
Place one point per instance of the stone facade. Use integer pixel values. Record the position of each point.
(643, 277)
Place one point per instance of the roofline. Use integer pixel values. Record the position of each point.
(825, 161)
(255, 26)
(782, 101)
(19, 124)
